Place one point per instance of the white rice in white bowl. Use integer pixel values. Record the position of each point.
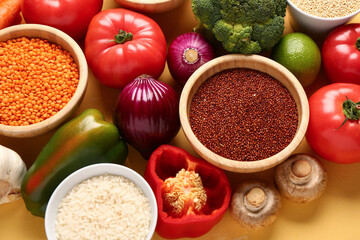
(104, 207)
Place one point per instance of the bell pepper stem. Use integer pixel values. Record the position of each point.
(122, 37)
(351, 111)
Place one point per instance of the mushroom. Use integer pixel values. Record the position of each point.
(255, 204)
(301, 178)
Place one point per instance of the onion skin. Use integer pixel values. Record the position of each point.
(147, 114)
(179, 68)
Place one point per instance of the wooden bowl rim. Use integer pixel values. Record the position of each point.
(234, 165)
(50, 123)
(150, 6)
(149, 2)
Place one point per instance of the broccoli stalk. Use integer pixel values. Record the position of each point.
(243, 26)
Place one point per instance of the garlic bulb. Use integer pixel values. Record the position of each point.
(12, 171)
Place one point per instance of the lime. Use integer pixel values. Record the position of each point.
(300, 55)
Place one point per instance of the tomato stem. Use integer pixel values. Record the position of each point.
(123, 37)
(357, 44)
(351, 110)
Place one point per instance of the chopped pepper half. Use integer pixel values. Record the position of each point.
(192, 195)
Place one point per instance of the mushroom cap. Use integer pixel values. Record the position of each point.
(298, 187)
(261, 213)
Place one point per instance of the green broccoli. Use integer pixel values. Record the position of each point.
(243, 26)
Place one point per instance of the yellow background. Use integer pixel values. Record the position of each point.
(336, 215)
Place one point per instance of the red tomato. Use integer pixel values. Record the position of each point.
(121, 45)
(325, 135)
(341, 54)
(70, 16)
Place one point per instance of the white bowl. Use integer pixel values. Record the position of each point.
(314, 25)
(90, 171)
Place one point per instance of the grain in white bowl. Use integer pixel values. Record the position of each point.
(328, 8)
(104, 207)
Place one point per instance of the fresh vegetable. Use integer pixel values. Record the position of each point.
(70, 16)
(146, 114)
(255, 204)
(12, 171)
(301, 178)
(187, 53)
(341, 54)
(9, 13)
(245, 26)
(192, 195)
(85, 140)
(334, 126)
(121, 45)
(300, 54)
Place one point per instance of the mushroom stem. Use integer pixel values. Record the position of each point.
(255, 204)
(300, 178)
(255, 199)
(300, 172)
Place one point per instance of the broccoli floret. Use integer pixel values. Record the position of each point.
(202, 8)
(268, 34)
(243, 26)
(235, 38)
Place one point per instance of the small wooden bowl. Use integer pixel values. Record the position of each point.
(150, 6)
(259, 63)
(66, 42)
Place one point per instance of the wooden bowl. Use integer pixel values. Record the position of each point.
(67, 43)
(150, 6)
(259, 63)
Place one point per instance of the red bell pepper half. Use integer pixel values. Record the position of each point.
(192, 195)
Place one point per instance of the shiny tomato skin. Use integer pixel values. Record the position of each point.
(70, 16)
(341, 56)
(116, 65)
(339, 145)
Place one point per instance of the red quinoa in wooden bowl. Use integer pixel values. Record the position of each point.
(244, 113)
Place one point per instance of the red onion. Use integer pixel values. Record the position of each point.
(147, 114)
(186, 54)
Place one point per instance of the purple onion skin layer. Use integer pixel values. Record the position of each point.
(147, 114)
(179, 68)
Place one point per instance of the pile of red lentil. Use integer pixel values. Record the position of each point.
(37, 79)
(243, 114)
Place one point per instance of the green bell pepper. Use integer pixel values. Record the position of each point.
(85, 140)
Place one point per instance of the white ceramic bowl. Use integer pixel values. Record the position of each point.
(90, 171)
(66, 42)
(316, 26)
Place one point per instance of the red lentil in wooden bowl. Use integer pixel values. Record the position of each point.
(244, 113)
(43, 79)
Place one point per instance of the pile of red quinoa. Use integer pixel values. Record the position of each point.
(243, 114)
